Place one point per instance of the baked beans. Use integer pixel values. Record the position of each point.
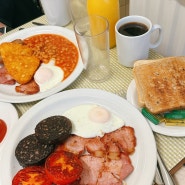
(52, 46)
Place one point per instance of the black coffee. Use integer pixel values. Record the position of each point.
(133, 29)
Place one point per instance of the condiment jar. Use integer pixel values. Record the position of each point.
(108, 9)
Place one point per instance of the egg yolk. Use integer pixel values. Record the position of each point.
(99, 115)
(43, 75)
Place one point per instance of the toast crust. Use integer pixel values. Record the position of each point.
(160, 83)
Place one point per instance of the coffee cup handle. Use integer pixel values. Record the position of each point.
(156, 27)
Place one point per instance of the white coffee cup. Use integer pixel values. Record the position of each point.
(132, 48)
(56, 11)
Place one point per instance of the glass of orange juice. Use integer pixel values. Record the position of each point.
(108, 9)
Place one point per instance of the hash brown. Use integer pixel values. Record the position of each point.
(19, 61)
(14, 48)
(21, 67)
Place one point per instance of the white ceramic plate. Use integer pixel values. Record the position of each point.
(9, 115)
(175, 131)
(144, 158)
(8, 93)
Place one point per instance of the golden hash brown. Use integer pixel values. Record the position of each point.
(19, 61)
(14, 48)
(21, 67)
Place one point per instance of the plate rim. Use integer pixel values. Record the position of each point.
(151, 151)
(156, 128)
(21, 98)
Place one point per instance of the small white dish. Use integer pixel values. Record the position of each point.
(175, 131)
(9, 115)
(8, 93)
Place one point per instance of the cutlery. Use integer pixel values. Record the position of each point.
(158, 179)
(38, 23)
(165, 175)
(35, 23)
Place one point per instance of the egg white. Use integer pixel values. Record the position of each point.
(85, 126)
(48, 75)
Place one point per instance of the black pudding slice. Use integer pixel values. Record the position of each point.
(53, 130)
(30, 151)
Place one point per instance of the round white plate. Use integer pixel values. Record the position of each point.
(144, 171)
(175, 131)
(8, 93)
(9, 115)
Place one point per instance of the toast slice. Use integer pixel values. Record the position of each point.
(160, 83)
(137, 81)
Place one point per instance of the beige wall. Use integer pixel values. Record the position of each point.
(124, 7)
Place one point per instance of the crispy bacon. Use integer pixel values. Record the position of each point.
(105, 160)
(114, 171)
(74, 144)
(113, 151)
(121, 140)
(92, 166)
(127, 166)
(30, 88)
(96, 147)
(123, 137)
(5, 78)
(100, 171)
(108, 178)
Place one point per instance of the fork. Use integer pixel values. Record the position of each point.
(165, 175)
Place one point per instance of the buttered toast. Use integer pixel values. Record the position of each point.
(160, 83)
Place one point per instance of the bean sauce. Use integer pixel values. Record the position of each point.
(52, 46)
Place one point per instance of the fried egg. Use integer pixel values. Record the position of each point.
(91, 120)
(48, 75)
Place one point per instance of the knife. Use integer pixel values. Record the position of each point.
(38, 23)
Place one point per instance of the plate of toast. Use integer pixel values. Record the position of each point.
(159, 86)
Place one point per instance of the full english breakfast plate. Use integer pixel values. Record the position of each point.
(62, 68)
(176, 131)
(73, 103)
(9, 115)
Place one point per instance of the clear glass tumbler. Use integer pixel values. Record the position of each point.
(92, 34)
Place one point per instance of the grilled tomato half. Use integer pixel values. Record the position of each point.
(31, 175)
(63, 167)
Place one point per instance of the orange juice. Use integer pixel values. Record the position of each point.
(108, 9)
